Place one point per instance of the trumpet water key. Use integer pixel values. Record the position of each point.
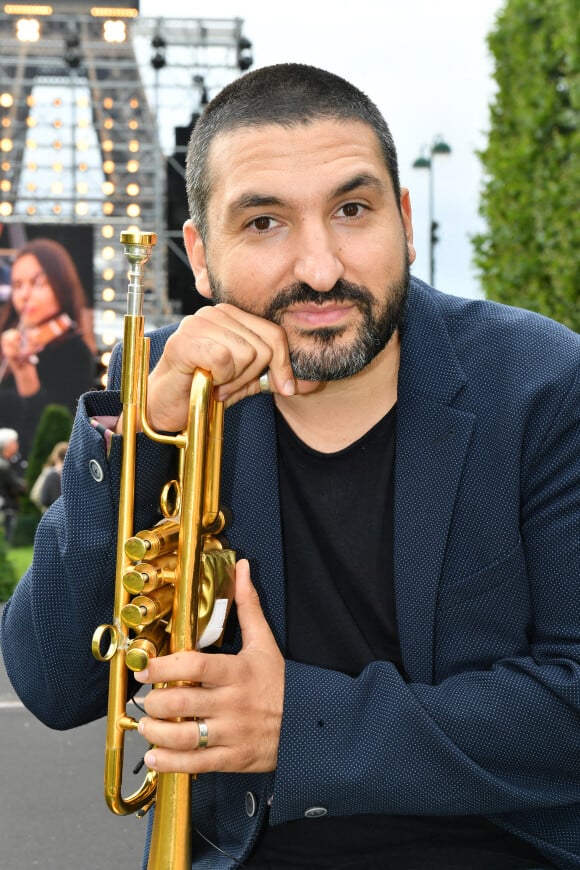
(174, 582)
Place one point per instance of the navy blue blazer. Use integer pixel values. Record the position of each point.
(487, 563)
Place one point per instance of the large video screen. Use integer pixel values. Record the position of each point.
(47, 342)
(77, 239)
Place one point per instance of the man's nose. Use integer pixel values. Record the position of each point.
(318, 260)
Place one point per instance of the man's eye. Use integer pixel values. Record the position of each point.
(351, 209)
(263, 223)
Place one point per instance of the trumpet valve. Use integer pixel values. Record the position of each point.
(150, 543)
(146, 609)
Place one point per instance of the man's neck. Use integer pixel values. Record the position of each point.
(340, 412)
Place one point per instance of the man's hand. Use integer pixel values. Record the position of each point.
(236, 347)
(240, 699)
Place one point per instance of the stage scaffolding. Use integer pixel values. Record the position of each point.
(90, 130)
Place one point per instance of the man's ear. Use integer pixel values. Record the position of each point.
(196, 255)
(407, 216)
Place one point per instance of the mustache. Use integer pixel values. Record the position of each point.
(299, 293)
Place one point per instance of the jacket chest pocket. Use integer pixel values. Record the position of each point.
(483, 617)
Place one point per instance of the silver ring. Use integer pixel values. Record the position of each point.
(203, 734)
(264, 383)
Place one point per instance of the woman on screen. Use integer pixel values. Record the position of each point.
(44, 358)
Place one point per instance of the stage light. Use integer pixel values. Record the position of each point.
(133, 166)
(108, 188)
(118, 12)
(133, 210)
(108, 274)
(107, 231)
(114, 31)
(27, 9)
(108, 294)
(27, 30)
(5, 185)
(108, 167)
(133, 189)
(108, 253)
(5, 209)
(108, 208)
(245, 57)
(6, 145)
(81, 209)
(6, 100)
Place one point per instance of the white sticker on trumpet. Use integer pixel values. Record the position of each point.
(215, 625)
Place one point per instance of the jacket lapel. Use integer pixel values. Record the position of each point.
(432, 443)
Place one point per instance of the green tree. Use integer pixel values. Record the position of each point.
(55, 425)
(529, 255)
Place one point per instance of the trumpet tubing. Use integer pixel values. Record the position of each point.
(174, 582)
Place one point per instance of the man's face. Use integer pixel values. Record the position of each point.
(304, 230)
(11, 449)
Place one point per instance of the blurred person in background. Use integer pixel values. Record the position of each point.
(44, 356)
(47, 486)
(12, 484)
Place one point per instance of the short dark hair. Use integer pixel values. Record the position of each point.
(287, 94)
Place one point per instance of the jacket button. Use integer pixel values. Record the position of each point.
(251, 804)
(315, 812)
(96, 471)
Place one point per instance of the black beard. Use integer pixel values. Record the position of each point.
(327, 359)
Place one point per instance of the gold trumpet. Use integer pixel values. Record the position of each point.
(174, 582)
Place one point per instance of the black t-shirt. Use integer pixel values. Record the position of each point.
(337, 519)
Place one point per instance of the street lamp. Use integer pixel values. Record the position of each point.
(425, 161)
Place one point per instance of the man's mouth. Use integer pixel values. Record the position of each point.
(312, 316)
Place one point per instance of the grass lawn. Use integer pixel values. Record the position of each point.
(21, 557)
(18, 557)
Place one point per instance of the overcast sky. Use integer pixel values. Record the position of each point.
(427, 67)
